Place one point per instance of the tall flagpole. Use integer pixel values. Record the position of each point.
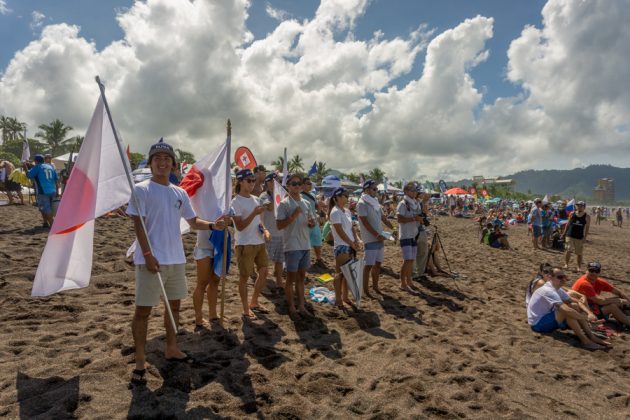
(228, 186)
(134, 198)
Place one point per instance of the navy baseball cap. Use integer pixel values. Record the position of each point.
(39, 158)
(339, 191)
(594, 266)
(271, 176)
(369, 184)
(162, 147)
(243, 174)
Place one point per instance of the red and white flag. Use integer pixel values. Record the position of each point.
(279, 193)
(97, 185)
(209, 184)
(185, 168)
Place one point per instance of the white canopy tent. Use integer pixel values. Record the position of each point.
(390, 188)
(60, 161)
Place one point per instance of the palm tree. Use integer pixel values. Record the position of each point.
(279, 163)
(321, 171)
(54, 134)
(183, 155)
(11, 128)
(296, 164)
(377, 175)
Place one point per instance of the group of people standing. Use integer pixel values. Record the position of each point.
(266, 232)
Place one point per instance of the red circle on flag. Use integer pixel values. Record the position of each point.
(277, 198)
(244, 158)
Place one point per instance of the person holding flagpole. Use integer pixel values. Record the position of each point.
(250, 237)
(275, 246)
(315, 233)
(161, 205)
(295, 219)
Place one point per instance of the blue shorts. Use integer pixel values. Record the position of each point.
(315, 236)
(537, 230)
(548, 324)
(374, 252)
(297, 260)
(496, 244)
(44, 203)
(342, 249)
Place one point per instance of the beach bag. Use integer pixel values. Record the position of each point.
(353, 273)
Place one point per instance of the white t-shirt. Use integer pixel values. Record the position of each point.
(243, 207)
(162, 207)
(343, 218)
(543, 301)
(407, 209)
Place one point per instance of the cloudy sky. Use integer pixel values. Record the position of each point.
(419, 88)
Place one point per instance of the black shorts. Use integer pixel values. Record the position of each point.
(12, 186)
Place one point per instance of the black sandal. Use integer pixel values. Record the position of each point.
(137, 377)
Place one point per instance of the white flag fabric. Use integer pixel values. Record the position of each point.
(26, 150)
(209, 184)
(97, 185)
(285, 169)
(545, 199)
(278, 195)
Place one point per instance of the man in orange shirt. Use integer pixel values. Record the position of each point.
(591, 286)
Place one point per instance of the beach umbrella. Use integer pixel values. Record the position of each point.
(456, 191)
(353, 273)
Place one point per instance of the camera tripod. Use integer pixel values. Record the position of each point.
(437, 240)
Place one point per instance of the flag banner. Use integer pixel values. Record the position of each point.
(442, 185)
(26, 151)
(285, 169)
(244, 158)
(472, 191)
(209, 185)
(97, 185)
(570, 206)
(485, 194)
(313, 169)
(545, 199)
(279, 193)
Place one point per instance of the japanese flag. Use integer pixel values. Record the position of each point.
(279, 193)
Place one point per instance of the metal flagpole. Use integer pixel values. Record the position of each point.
(134, 198)
(228, 184)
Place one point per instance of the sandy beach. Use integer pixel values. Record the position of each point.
(462, 349)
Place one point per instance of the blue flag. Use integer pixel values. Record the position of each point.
(313, 169)
(216, 239)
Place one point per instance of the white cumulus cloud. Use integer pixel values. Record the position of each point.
(183, 68)
(37, 19)
(4, 9)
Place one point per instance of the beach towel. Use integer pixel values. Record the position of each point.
(322, 295)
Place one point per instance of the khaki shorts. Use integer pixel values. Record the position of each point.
(248, 255)
(575, 245)
(148, 289)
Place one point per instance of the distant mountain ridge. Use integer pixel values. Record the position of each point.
(577, 182)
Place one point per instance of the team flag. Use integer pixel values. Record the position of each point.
(279, 193)
(570, 206)
(285, 169)
(313, 169)
(97, 185)
(26, 150)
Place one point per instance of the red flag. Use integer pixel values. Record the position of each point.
(244, 158)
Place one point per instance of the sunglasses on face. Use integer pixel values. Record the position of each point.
(249, 180)
(594, 270)
(561, 276)
(295, 184)
(308, 183)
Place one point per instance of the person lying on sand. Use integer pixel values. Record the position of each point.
(549, 309)
(591, 286)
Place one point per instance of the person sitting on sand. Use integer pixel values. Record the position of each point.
(345, 241)
(371, 218)
(591, 286)
(549, 309)
(295, 220)
(498, 239)
(11, 186)
(162, 206)
(545, 271)
(250, 235)
(408, 221)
